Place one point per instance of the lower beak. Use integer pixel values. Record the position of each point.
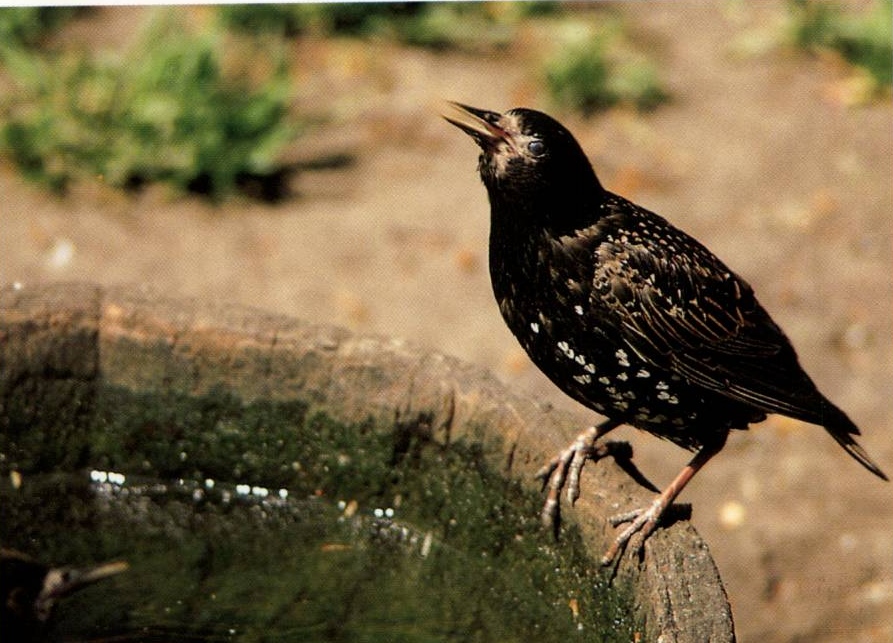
(480, 124)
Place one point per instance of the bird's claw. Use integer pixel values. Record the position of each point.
(546, 470)
(564, 469)
(642, 521)
(619, 519)
(574, 469)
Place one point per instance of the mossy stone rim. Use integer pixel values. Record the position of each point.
(79, 336)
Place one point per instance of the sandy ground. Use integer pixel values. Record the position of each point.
(756, 156)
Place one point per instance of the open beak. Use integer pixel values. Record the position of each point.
(480, 124)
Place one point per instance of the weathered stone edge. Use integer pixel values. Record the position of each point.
(131, 336)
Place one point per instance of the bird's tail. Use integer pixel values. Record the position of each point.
(842, 429)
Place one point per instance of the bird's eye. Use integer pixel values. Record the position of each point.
(536, 147)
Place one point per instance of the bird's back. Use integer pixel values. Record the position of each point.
(638, 320)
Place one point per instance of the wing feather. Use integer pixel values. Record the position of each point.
(709, 329)
(687, 313)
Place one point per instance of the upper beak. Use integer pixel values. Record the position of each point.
(480, 124)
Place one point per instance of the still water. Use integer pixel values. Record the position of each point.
(362, 546)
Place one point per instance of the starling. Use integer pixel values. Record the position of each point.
(29, 591)
(627, 314)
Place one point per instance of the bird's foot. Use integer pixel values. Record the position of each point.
(642, 521)
(564, 469)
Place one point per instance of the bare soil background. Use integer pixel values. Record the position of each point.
(757, 156)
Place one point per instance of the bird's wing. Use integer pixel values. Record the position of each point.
(688, 313)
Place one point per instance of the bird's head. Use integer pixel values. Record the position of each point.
(60, 582)
(526, 155)
(29, 590)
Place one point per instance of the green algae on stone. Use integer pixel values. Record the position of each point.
(44, 423)
(307, 567)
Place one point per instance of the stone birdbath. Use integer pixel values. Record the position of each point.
(271, 479)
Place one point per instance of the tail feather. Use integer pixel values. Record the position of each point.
(842, 429)
(855, 449)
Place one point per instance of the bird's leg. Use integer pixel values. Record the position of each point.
(566, 466)
(645, 519)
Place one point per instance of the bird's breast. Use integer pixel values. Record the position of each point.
(553, 310)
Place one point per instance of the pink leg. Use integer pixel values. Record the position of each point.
(644, 520)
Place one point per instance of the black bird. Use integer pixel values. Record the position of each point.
(626, 313)
(29, 591)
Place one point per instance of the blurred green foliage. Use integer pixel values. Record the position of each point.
(864, 38)
(208, 110)
(258, 19)
(446, 25)
(362, 18)
(593, 69)
(28, 26)
(469, 25)
(168, 111)
(436, 25)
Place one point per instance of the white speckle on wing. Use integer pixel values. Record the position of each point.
(580, 359)
(604, 380)
(534, 327)
(663, 395)
(583, 379)
(567, 350)
(589, 368)
(629, 395)
(578, 310)
(621, 357)
(620, 404)
(661, 386)
(673, 399)
(622, 377)
(678, 421)
(643, 373)
(598, 407)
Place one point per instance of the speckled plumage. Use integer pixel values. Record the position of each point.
(626, 313)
